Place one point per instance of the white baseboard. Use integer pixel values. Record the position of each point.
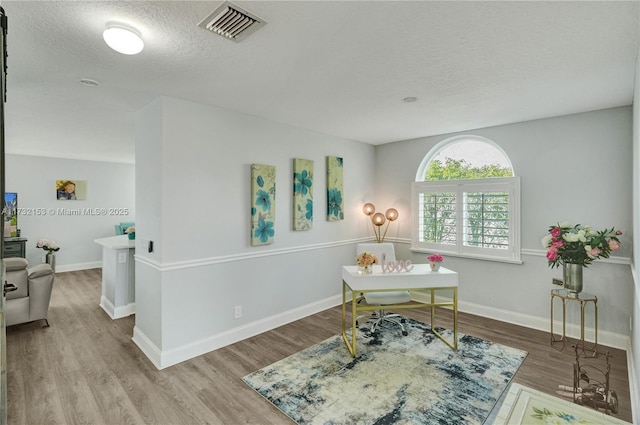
(117, 312)
(147, 347)
(162, 359)
(543, 324)
(534, 322)
(78, 266)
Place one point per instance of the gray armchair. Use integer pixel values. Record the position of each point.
(30, 301)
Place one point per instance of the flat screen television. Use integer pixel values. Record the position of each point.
(10, 214)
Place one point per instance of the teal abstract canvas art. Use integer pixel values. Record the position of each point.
(302, 194)
(263, 204)
(335, 187)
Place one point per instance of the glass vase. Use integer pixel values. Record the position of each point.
(51, 260)
(365, 269)
(572, 277)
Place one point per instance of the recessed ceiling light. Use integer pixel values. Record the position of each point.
(123, 38)
(89, 83)
(409, 99)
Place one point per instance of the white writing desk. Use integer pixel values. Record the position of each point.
(420, 278)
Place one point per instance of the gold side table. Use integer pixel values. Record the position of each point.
(564, 296)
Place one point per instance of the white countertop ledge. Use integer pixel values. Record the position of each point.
(116, 242)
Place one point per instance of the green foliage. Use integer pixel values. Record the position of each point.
(454, 169)
(487, 214)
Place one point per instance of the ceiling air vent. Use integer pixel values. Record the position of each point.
(231, 22)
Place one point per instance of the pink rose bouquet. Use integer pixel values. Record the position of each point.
(47, 245)
(579, 244)
(435, 258)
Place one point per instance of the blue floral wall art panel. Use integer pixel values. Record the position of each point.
(335, 195)
(302, 194)
(263, 204)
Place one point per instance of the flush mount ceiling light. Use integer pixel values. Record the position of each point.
(123, 38)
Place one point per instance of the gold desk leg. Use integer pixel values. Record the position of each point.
(351, 346)
(453, 345)
(455, 319)
(344, 308)
(433, 309)
(354, 315)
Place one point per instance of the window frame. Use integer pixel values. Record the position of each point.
(511, 185)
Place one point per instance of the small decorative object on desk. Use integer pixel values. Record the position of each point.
(435, 260)
(395, 266)
(131, 232)
(50, 247)
(365, 262)
(575, 247)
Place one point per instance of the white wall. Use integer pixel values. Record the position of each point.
(193, 200)
(109, 186)
(574, 168)
(634, 363)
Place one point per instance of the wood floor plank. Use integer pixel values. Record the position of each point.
(86, 369)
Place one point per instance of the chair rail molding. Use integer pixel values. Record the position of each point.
(244, 256)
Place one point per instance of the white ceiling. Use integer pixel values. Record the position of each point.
(336, 67)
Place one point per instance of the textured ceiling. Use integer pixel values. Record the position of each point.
(340, 68)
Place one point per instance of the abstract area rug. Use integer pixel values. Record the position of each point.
(394, 379)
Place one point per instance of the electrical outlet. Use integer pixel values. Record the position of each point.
(237, 312)
(122, 257)
(557, 281)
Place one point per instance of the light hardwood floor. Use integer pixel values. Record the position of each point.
(85, 369)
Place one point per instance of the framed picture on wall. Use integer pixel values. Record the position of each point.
(263, 204)
(302, 194)
(71, 190)
(335, 189)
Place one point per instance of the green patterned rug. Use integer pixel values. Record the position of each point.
(394, 379)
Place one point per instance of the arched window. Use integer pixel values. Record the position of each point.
(466, 201)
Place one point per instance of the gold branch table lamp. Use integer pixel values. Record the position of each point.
(378, 219)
